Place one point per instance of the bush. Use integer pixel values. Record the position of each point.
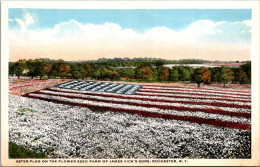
(16, 151)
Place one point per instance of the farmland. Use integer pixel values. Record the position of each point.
(100, 119)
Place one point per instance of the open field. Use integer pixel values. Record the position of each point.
(93, 119)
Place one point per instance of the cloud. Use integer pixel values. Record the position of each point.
(72, 40)
(200, 28)
(21, 23)
(221, 22)
(28, 19)
(231, 32)
(25, 22)
(248, 23)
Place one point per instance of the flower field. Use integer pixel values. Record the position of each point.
(21, 86)
(92, 119)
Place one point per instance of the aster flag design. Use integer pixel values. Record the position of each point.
(144, 83)
(220, 108)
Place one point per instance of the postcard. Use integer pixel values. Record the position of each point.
(120, 83)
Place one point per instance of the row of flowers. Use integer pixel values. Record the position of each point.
(64, 131)
(197, 92)
(200, 89)
(195, 101)
(190, 96)
(171, 106)
(153, 112)
(29, 82)
(119, 98)
(31, 85)
(13, 80)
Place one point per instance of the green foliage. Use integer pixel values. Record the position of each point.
(163, 73)
(16, 151)
(206, 75)
(12, 68)
(128, 73)
(105, 73)
(75, 73)
(159, 69)
(201, 75)
(175, 74)
(185, 73)
(111, 74)
(80, 70)
(215, 74)
(86, 69)
(197, 76)
(159, 63)
(32, 68)
(137, 69)
(226, 75)
(26, 109)
(60, 68)
(144, 72)
(126, 62)
(247, 69)
(240, 75)
(20, 68)
(42, 67)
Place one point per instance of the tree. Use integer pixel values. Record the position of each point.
(241, 76)
(138, 74)
(75, 71)
(175, 74)
(184, 73)
(20, 68)
(197, 76)
(206, 76)
(112, 74)
(226, 75)
(146, 72)
(161, 73)
(85, 70)
(201, 75)
(60, 68)
(165, 74)
(159, 68)
(32, 68)
(215, 74)
(55, 69)
(64, 70)
(42, 68)
(129, 73)
(103, 73)
(247, 69)
(11, 68)
(80, 70)
(96, 74)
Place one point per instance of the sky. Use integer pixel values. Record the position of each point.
(90, 34)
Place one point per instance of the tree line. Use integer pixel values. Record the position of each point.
(143, 71)
(126, 62)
